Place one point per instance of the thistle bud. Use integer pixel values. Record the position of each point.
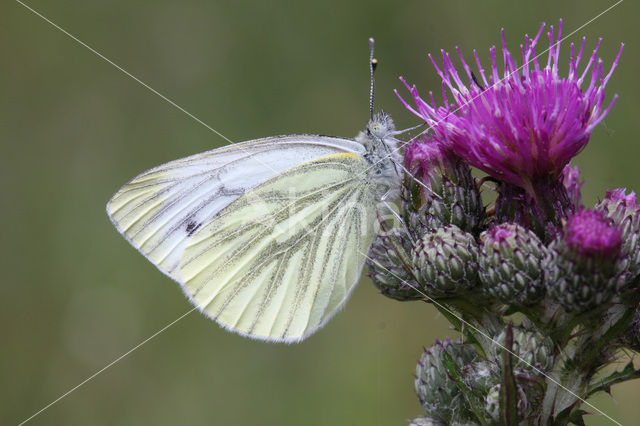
(445, 262)
(573, 185)
(531, 349)
(511, 264)
(618, 206)
(624, 211)
(481, 376)
(437, 392)
(445, 193)
(492, 403)
(582, 263)
(389, 262)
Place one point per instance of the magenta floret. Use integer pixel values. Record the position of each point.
(521, 125)
(592, 234)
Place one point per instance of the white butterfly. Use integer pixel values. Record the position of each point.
(267, 237)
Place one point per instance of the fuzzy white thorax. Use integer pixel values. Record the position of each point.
(382, 152)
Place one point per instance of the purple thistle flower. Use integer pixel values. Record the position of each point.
(593, 235)
(521, 126)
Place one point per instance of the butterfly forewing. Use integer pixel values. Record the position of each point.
(277, 262)
(159, 210)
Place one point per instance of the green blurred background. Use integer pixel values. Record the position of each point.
(75, 295)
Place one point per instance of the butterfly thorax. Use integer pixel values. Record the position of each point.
(382, 153)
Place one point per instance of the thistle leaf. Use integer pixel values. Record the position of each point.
(576, 417)
(604, 384)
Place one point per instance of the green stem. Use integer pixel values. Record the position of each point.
(458, 324)
(508, 387)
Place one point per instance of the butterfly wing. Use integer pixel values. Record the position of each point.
(279, 261)
(159, 210)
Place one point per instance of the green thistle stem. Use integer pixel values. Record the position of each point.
(508, 388)
(458, 325)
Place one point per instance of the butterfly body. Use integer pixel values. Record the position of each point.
(381, 152)
(266, 237)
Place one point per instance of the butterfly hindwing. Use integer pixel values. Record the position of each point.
(277, 262)
(159, 210)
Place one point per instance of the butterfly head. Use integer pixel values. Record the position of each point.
(380, 126)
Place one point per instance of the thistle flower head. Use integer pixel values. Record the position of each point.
(492, 403)
(533, 348)
(438, 393)
(424, 154)
(624, 211)
(619, 206)
(620, 194)
(512, 264)
(446, 262)
(429, 160)
(586, 267)
(521, 125)
(442, 190)
(591, 234)
(388, 255)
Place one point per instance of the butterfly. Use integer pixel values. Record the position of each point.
(266, 237)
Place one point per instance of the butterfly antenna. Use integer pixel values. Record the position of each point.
(401, 132)
(373, 63)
